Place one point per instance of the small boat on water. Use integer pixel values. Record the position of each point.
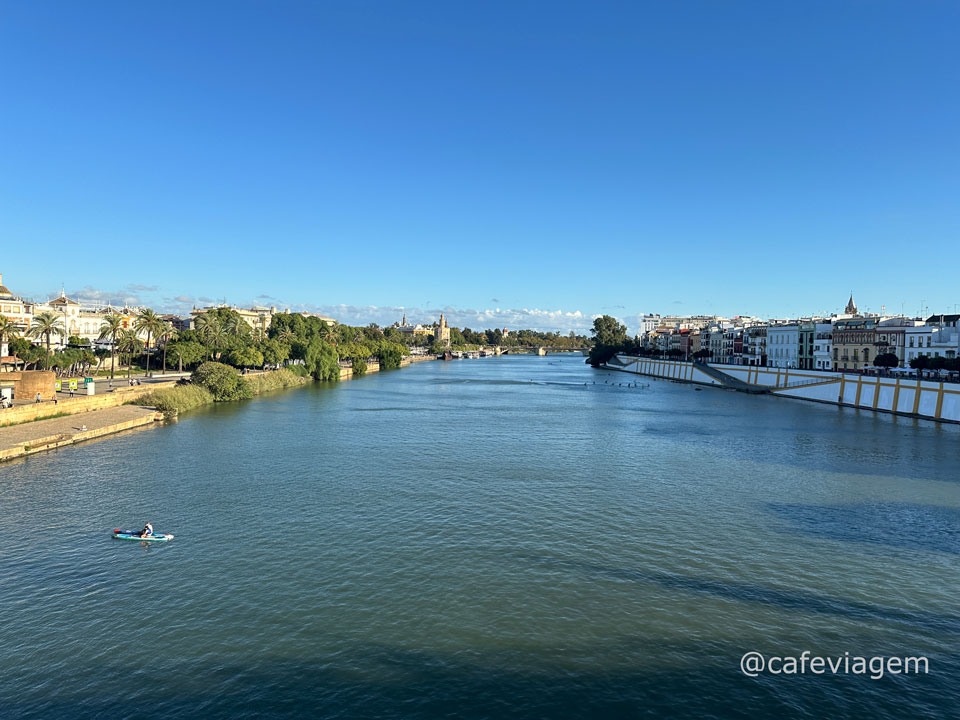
(134, 535)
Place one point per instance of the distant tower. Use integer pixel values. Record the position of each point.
(403, 323)
(851, 306)
(443, 332)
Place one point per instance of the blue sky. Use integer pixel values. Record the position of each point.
(519, 163)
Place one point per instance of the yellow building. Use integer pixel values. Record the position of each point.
(854, 343)
(413, 329)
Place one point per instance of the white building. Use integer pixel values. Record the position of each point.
(648, 323)
(755, 345)
(783, 344)
(932, 341)
(823, 346)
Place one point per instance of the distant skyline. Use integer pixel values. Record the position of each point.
(487, 317)
(509, 163)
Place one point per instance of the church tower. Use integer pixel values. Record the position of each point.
(851, 308)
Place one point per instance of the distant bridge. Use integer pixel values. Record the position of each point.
(541, 349)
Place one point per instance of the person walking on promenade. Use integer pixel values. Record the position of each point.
(71, 392)
(38, 398)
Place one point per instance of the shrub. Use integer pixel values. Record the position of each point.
(298, 370)
(223, 382)
(359, 366)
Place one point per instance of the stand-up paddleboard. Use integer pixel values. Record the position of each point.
(133, 535)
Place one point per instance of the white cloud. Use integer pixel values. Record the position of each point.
(524, 318)
(94, 296)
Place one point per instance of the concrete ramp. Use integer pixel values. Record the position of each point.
(730, 381)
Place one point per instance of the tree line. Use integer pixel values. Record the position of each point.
(224, 336)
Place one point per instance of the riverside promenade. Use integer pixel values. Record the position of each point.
(25, 431)
(32, 437)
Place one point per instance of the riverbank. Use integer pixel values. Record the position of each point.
(26, 439)
(75, 406)
(30, 429)
(921, 399)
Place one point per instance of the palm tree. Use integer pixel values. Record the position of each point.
(111, 328)
(46, 324)
(129, 344)
(8, 331)
(286, 336)
(148, 321)
(327, 333)
(208, 325)
(236, 325)
(215, 337)
(167, 334)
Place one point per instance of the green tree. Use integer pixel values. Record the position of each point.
(327, 333)
(246, 356)
(29, 353)
(214, 335)
(608, 331)
(391, 355)
(129, 344)
(112, 327)
(274, 351)
(887, 360)
(609, 338)
(234, 324)
(321, 360)
(46, 324)
(222, 381)
(166, 335)
(186, 352)
(8, 331)
(150, 323)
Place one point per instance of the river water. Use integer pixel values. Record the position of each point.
(518, 537)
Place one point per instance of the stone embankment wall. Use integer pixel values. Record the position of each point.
(347, 373)
(925, 399)
(38, 411)
(27, 383)
(46, 435)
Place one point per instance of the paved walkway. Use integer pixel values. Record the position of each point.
(95, 419)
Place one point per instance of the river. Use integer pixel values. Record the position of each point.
(518, 537)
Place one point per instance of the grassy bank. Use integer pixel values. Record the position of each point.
(276, 380)
(173, 401)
